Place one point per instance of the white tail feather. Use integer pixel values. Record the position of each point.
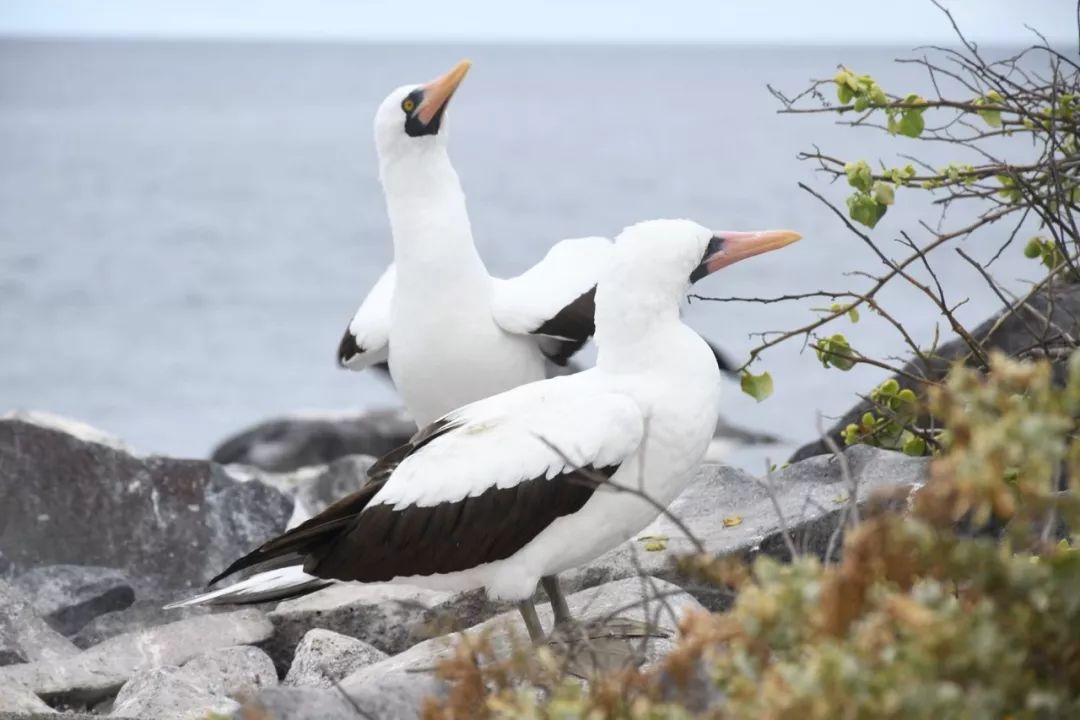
(262, 587)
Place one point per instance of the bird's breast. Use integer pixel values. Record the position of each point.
(441, 361)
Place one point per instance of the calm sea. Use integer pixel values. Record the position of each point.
(186, 228)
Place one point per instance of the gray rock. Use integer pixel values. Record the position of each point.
(1024, 333)
(100, 671)
(168, 693)
(389, 617)
(69, 596)
(24, 636)
(397, 686)
(324, 657)
(142, 614)
(17, 698)
(316, 488)
(293, 442)
(232, 671)
(811, 495)
(302, 703)
(66, 500)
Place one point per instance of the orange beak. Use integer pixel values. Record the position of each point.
(439, 91)
(736, 246)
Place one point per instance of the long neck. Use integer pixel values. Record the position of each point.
(635, 330)
(433, 241)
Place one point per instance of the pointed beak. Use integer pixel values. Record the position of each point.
(727, 248)
(439, 91)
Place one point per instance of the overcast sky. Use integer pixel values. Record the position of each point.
(796, 21)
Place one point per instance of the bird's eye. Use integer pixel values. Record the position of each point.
(408, 105)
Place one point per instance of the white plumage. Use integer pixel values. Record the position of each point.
(645, 417)
(451, 332)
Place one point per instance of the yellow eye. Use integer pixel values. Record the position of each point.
(408, 105)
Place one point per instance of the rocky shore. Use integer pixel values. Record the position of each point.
(95, 538)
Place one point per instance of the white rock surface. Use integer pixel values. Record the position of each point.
(324, 657)
(100, 671)
(168, 693)
(17, 698)
(24, 636)
(232, 671)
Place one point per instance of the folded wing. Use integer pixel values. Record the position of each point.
(554, 299)
(366, 339)
(475, 487)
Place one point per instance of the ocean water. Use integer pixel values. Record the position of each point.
(186, 228)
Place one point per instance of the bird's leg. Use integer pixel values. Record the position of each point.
(532, 620)
(558, 601)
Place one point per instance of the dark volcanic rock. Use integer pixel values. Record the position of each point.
(24, 636)
(289, 443)
(67, 500)
(69, 596)
(1024, 333)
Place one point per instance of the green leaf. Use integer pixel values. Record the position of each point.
(914, 445)
(865, 210)
(884, 193)
(758, 387)
(911, 123)
(859, 175)
(835, 352)
(1033, 249)
(991, 117)
(853, 314)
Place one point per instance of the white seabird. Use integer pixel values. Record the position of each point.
(547, 476)
(451, 333)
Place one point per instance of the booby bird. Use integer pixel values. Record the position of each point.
(547, 476)
(451, 332)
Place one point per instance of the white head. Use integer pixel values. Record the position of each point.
(412, 118)
(665, 257)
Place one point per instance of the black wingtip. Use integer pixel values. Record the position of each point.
(347, 349)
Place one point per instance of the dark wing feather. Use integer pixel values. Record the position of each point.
(383, 542)
(569, 329)
(303, 538)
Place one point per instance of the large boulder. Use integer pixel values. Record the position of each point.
(25, 636)
(296, 441)
(732, 513)
(70, 596)
(203, 686)
(324, 657)
(100, 671)
(1028, 332)
(68, 500)
(168, 693)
